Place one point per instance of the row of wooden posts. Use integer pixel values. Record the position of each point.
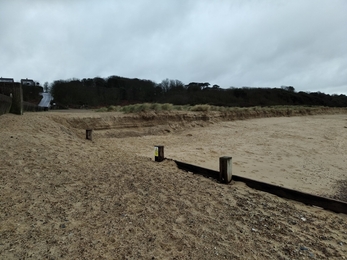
(225, 162)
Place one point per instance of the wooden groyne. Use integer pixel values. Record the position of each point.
(308, 199)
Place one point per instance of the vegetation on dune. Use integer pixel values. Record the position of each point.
(137, 108)
(227, 112)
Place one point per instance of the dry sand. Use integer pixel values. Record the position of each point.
(64, 197)
(303, 153)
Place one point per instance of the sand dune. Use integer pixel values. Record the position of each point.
(64, 197)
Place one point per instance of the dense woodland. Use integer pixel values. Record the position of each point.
(115, 90)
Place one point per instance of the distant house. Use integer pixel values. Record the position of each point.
(27, 82)
(6, 85)
(6, 80)
(31, 90)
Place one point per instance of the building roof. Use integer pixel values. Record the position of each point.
(27, 82)
(6, 79)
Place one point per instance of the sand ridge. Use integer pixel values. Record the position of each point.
(64, 197)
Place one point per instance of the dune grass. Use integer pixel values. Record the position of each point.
(230, 112)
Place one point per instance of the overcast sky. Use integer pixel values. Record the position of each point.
(256, 43)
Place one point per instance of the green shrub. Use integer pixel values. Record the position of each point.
(145, 107)
(128, 109)
(101, 109)
(156, 107)
(167, 107)
(113, 108)
(204, 108)
(181, 108)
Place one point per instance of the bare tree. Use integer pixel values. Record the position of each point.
(45, 87)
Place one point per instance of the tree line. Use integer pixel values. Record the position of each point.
(116, 90)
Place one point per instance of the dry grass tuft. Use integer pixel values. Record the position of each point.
(229, 113)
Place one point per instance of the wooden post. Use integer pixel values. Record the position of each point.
(89, 134)
(225, 169)
(159, 153)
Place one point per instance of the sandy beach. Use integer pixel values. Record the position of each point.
(65, 197)
(302, 153)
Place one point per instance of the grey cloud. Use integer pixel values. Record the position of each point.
(229, 43)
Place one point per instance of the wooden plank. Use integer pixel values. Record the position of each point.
(308, 199)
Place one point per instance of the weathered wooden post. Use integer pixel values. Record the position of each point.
(89, 134)
(159, 153)
(225, 169)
